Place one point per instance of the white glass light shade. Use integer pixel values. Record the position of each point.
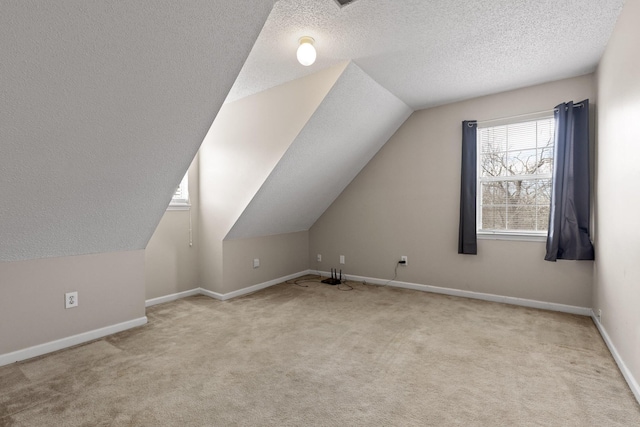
(306, 52)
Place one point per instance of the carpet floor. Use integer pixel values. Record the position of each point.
(310, 354)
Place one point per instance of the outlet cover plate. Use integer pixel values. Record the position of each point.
(256, 262)
(341, 259)
(71, 299)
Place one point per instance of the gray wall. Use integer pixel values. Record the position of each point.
(104, 105)
(617, 240)
(243, 146)
(110, 290)
(280, 255)
(406, 202)
(171, 265)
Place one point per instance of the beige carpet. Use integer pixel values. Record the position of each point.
(303, 356)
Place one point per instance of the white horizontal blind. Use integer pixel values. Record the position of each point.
(515, 165)
(181, 196)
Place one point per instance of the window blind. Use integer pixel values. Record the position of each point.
(515, 165)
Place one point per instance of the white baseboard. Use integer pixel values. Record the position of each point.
(211, 294)
(62, 343)
(171, 297)
(626, 373)
(584, 311)
(39, 350)
(99, 333)
(228, 295)
(250, 289)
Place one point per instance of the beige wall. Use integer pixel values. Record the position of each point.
(171, 264)
(110, 290)
(279, 256)
(406, 202)
(617, 240)
(244, 144)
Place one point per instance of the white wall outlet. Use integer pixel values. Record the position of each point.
(341, 259)
(319, 258)
(256, 262)
(71, 299)
(600, 315)
(405, 259)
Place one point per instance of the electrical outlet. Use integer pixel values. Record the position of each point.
(405, 259)
(600, 315)
(319, 258)
(341, 259)
(256, 262)
(71, 299)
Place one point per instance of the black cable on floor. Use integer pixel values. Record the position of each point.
(304, 280)
(346, 284)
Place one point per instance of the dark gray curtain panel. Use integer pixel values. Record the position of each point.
(568, 234)
(467, 239)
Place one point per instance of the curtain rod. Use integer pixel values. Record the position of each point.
(537, 113)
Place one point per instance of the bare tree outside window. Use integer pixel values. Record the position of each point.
(515, 166)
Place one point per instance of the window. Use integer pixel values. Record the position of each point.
(515, 165)
(180, 199)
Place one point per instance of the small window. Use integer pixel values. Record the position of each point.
(515, 165)
(180, 199)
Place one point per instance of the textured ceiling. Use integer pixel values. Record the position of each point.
(103, 106)
(347, 129)
(433, 52)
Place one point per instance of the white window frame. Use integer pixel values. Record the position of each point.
(180, 200)
(522, 235)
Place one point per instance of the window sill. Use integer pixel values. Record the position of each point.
(179, 207)
(523, 237)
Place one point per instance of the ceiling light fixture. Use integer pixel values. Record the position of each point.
(306, 52)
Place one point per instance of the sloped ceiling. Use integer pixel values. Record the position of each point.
(246, 142)
(432, 52)
(104, 105)
(419, 54)
(348, 128)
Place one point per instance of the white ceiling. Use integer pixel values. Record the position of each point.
(347, 129)
(431, 52)
(103, 105)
